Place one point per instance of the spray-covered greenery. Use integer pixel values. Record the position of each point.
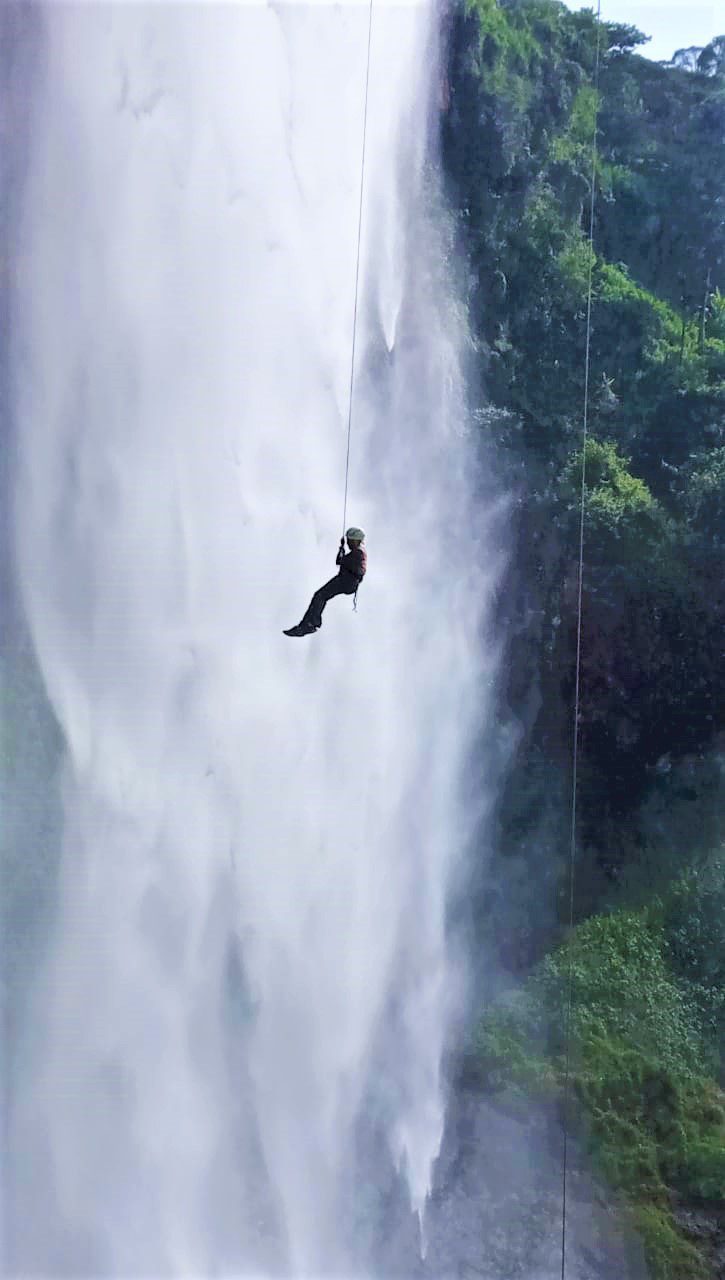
(518, 138)
(647, 959)
(643, 1097)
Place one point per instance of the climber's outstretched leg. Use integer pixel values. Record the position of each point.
(343, 584)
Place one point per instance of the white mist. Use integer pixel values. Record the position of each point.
(279, 819)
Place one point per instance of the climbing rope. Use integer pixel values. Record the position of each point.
(577, 677)
(357, 265)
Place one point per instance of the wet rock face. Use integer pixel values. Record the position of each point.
(496, 1209)
(705, 1227)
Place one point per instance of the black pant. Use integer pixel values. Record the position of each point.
(343, 584)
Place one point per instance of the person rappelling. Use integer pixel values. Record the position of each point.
(352, 565)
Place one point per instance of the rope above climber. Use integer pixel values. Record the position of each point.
(352, 565)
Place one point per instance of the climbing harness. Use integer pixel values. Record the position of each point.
(577, 676)
(357, 263)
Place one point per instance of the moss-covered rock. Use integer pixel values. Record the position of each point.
(669, 1255)
(606, 1008)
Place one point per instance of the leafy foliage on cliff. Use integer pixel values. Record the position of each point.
(646, 961)
(641, 1057)
(517, 133)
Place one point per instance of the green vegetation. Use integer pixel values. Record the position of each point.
(622, 519)
(668, 1255)
(643, 1099)
(517, 142)
(647, 958)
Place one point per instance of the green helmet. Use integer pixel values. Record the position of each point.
(355, 535)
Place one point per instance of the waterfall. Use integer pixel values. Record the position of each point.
(250, 957)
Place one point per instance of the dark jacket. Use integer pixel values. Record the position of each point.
(354, 562)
